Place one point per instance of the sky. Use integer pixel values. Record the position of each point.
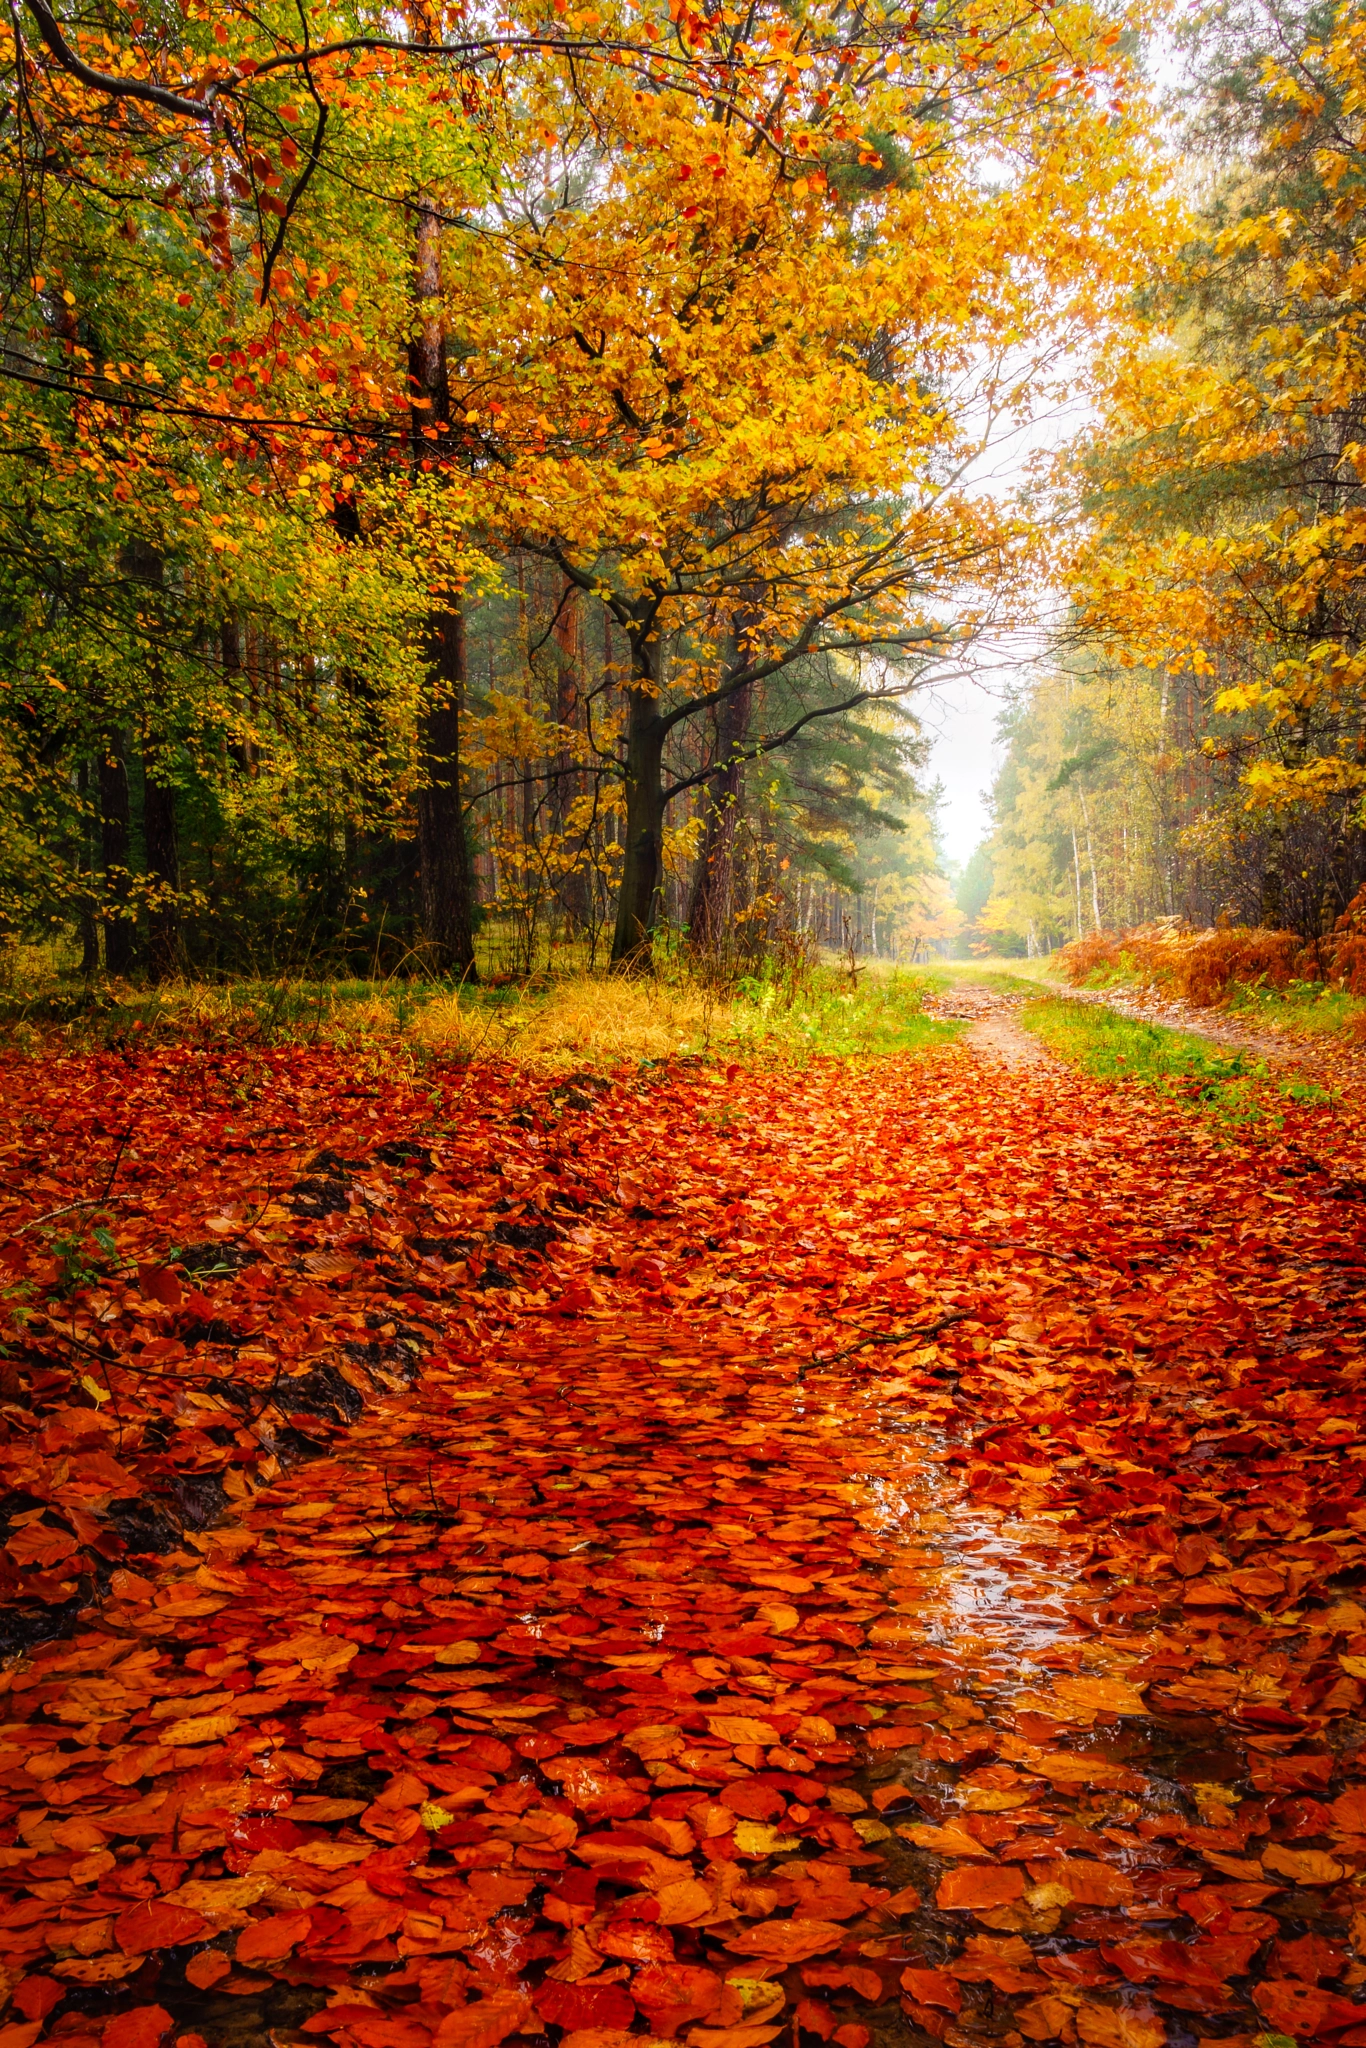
(959, 715)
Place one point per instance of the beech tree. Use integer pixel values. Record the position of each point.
(312, 338)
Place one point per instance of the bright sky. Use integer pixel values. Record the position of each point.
(960, 715)
(960, 712)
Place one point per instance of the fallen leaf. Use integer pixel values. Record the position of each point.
(143, 2027)
(787, 1941)
(482, 2025)
(974, 1890)
(1100, 1695)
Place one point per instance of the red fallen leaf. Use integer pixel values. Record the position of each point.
(207, 1967)
(1147, 1958)
(677, 1990)
(143, 2027)
(752, 1799)
(1193, 1553)
(907, 1900)
(36, 1997)
(932, 1987)
(152, 1923)
(484, 2024)
(162, 1284)
(1290, 1773)
(369, 2028)
(20, 2033)
(1309, 1958)
(809, 2016)
(583, 2005)
(1349, 1811)
(847, 1976)
(1088, 1882)
(974, 1889)
(1303, 2011)
(604, 2037)
(851, 2035)
(264, 1941)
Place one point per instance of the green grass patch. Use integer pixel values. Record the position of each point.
(825, 1013)
(1303, 1006)
(1218, 1081)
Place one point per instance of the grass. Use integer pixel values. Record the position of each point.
(1307, 1007)
(1005, 976)
(1226, 1084)
(574, 1022)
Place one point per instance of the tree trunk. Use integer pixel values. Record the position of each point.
(85, 917)
(443, 849)
(163, 872)
(114, 816)
(643, 866)
(711, 908)
(1272, 909)
(445, 896)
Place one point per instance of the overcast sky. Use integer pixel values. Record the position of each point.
(960, 716)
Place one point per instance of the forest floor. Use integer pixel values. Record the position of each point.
(871, 1552)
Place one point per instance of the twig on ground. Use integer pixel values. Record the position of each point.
(961, 1315)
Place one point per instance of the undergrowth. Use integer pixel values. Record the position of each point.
(1226, 1084)
(555, 1025)
(1302, 1006)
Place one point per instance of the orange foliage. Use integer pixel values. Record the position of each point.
(1201, 966)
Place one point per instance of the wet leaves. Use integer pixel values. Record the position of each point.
(631, 1655)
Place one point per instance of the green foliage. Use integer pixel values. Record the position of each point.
(1227, 1085)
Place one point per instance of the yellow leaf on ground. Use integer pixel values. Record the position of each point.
(948, 1841)
(199, 1728)
(754, 1838)
(1106, 2026)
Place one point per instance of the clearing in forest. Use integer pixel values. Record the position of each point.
(715, 1555)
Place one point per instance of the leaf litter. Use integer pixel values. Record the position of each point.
(849, 1557)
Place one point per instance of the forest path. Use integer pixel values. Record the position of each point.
(880, 1564)
(1331, 1059)
(990, 1014)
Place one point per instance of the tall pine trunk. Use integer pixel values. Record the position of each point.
(163, 871)
(443, 849)
(85, 916)
(119, 931)
(445, 891)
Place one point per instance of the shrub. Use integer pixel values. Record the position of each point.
(1196, 966)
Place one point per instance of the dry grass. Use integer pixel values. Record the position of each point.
(578, 1023)
(582, 1023)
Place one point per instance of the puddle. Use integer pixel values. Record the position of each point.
(616, 1692)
